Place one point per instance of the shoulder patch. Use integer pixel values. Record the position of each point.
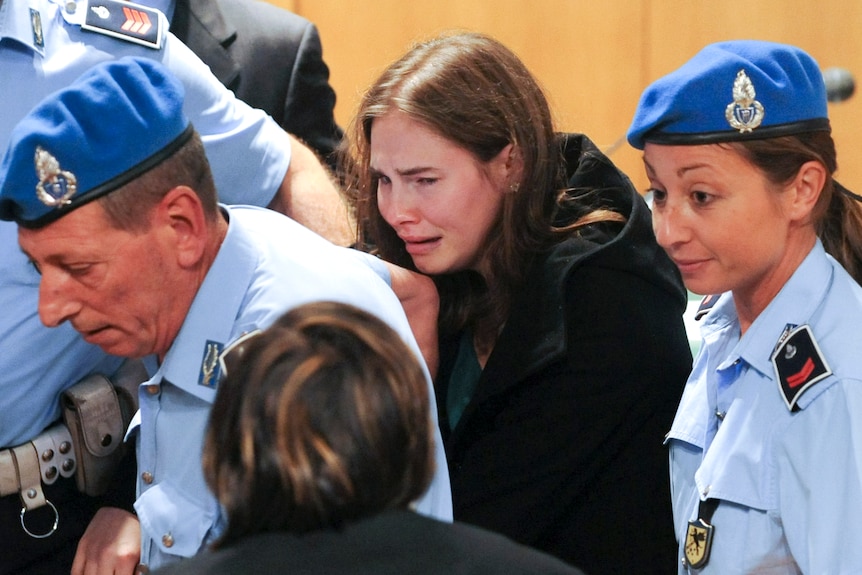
(798, 364)
(706, 304)
(126, 21)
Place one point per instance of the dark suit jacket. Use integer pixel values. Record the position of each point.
(395, 542)
(561, 445)
(271, 58)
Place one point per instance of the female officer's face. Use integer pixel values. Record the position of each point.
(720, 220)
(438, 197)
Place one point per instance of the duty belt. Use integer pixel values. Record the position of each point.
(87, 446)
(24, 468)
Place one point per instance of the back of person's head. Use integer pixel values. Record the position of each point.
(474, 91)
(322, 419)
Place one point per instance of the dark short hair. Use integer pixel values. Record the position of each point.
(127, 207)
(323, 419)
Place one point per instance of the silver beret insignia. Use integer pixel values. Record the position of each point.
(55, 185)
(744, 113)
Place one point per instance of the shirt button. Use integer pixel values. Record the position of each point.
(142, 569)
(152, 389)
(168, 540)
(706, 491)
(147, 477)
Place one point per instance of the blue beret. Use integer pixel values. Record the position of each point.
(115, 122)
(732, 91)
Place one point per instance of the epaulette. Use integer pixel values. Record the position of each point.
(798, 363)
(126, 21)
(706, 304)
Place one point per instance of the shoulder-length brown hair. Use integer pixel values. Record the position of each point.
(475, 92)
(323, 419)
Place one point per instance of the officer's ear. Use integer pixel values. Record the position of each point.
(180, 222)
(805, 190)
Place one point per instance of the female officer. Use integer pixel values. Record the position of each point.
(562, 349)
(766, 447)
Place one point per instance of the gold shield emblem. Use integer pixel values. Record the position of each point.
(698, 541)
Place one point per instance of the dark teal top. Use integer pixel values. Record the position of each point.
(463, 380)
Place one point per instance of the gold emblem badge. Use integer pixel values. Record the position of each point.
(55, 185)
(36, 25)
(744, 113)
(698, 541)
(210, 372)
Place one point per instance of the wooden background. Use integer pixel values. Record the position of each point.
(595, 57)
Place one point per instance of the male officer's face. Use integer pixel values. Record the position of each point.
(114, 286)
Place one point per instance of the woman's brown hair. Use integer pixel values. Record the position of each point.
(323, 419)
(475, 92)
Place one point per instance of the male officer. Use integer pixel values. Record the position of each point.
(115, 205)
(44, 46)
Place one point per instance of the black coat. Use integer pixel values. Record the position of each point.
(271, 58)
(396, 543)
(561, 446)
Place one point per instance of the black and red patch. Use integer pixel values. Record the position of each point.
(126, 21)
(798, 364)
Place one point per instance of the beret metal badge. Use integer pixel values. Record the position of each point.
(744, 113)
(55, 186)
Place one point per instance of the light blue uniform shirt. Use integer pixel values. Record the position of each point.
(266, 265)
(789, 483)
(249, 154)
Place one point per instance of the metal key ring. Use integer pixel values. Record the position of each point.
(53, 527)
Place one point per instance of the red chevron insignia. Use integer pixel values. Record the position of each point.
(136, 21)
(801, 376)
(126, 21)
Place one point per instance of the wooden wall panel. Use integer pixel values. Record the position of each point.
(594, 58)
(586, 58)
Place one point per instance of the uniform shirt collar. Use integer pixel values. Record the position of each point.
(212, 314)
(17, 24)
(794, 305)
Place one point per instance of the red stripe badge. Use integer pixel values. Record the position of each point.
(126, 21)
(798, 364)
